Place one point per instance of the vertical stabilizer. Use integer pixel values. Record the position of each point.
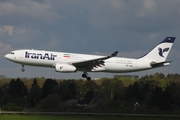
(161, 51)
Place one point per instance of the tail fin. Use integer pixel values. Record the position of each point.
(161, 51)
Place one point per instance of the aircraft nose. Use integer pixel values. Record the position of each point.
(7, 56)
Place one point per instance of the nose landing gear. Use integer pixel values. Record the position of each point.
(22, 69)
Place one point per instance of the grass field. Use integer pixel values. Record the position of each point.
(77, 117)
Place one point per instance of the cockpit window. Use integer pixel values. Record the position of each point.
(12, 53)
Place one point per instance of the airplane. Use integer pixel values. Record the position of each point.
(65, 62)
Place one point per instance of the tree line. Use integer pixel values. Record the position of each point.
(147, 94)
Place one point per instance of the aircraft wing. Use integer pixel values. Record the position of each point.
(89, 64)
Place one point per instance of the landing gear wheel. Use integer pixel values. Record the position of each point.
(85, 75)
(88, 78)
(22, 68)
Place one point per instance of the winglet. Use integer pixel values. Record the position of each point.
(114, 54)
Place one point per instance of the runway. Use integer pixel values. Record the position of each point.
(89, 114)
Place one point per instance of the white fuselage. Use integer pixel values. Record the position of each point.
(50, 59)
(71, 62)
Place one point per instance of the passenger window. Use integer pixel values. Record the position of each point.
(12, 53)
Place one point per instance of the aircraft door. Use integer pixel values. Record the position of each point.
(21, 55)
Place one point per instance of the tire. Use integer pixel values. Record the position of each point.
(88, 78)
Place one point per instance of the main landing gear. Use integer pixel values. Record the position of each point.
(86, 75)
(22, 69)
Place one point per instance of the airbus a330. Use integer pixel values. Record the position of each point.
(65, 62)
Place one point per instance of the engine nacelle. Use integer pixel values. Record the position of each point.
(65, 68)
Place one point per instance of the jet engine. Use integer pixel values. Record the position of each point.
(65, 68)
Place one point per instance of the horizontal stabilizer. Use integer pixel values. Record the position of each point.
(160, 64)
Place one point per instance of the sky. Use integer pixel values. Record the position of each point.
(132, 27)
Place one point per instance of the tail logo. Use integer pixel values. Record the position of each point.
(161, 51)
